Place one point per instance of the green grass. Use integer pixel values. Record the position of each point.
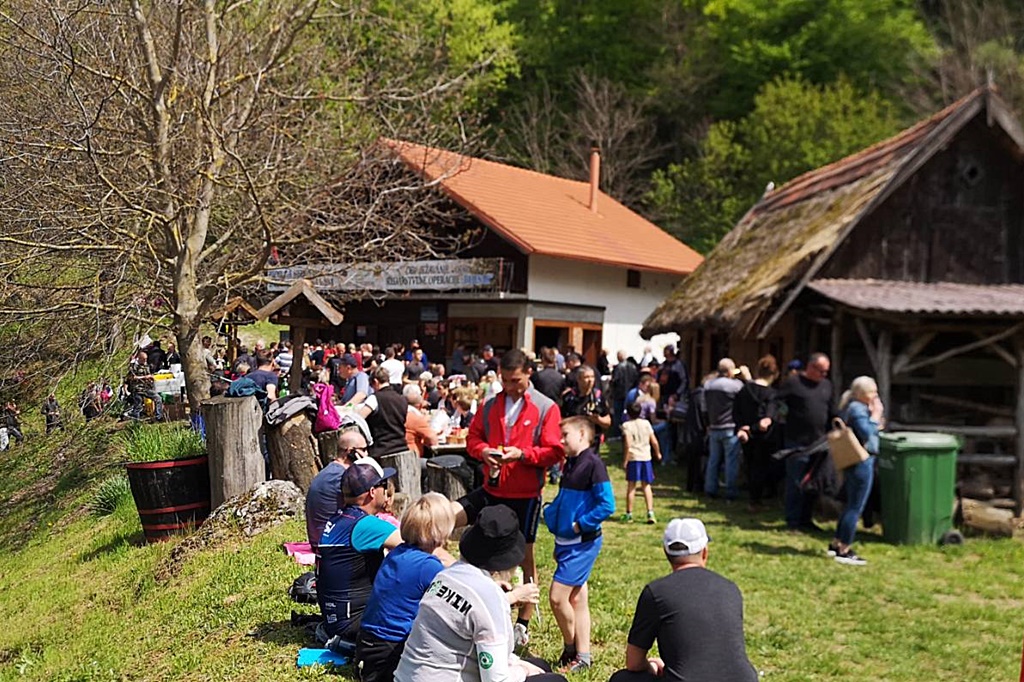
(81, 601)
(156, 442)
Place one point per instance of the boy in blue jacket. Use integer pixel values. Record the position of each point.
(584, 500)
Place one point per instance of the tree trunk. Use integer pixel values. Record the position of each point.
(408, 466)
(293, 451)
(193, 364)
(233, 445)
(444, 480)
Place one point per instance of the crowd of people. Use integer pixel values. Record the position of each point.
(394, 600)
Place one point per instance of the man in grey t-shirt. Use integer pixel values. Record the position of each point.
(694, 614)
(723, 444)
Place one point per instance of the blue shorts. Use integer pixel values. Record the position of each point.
(642, 472)
(575, 562)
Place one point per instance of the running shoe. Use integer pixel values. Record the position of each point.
(650, 518)
(575, 666)
(626, 518)
(849, 558)
(833, 548)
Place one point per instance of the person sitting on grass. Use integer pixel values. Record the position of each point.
(402, 580)
(639, 445)
(694, 614)
(463, 630)
(350, 553)
(584, 500)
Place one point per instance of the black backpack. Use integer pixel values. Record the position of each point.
(303, 589)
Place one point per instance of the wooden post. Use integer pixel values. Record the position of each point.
(293, 451)
(327, 443)
(297, 335)
(836, 353)
(407, 464)
(1018, 478)
(884, 369)
(233, 446)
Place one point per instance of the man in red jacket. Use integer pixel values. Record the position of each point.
(517, 437)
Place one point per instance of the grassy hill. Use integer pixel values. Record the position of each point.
(80, 598)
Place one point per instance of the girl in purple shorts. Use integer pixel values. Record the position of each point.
(639, 447)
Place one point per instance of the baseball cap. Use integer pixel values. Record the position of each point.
(488, 348)
(349, 360)
(684, 537)
(364, 474)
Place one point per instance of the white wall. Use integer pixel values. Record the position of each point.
(554, 280)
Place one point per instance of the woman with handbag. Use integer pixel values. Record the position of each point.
(862, 411)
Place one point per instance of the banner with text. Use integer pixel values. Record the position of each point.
(428, 275)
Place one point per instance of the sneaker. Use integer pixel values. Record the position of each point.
(850, 558)
(627, 518)
(576, 665)
(567, 657)
(650, 518)
(833, 548)
(521, 637)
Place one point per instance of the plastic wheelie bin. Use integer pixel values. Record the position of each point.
(917, 473)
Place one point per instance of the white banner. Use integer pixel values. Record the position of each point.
(431, 275)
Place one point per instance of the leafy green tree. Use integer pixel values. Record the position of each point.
(795, 127)
(874, 43)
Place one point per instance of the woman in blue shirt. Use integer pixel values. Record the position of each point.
(402, 580)
(862, 411)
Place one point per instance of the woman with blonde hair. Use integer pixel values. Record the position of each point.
(862, 411)
(401, 582)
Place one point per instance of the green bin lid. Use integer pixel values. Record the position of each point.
(901, 441)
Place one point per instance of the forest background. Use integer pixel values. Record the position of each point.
(156, 158)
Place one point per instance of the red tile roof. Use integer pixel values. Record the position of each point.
(547, 215)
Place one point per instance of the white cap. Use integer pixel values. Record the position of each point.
(684, 537)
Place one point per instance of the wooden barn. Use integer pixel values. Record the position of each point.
(904, 261)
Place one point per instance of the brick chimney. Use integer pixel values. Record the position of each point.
(595, 176)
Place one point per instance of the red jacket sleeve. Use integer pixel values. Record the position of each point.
(475, 441)
(549, 451)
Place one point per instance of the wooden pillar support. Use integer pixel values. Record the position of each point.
(298, 338)
(293, 451)
(407, 464)
(1018, 478)
(836, 355)
(884, 370)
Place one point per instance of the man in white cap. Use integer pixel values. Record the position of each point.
(695, 615)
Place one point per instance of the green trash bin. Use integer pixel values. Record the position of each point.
(917, 473)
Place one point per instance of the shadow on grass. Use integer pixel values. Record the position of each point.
(134, 539)
(284, 633)
(778, 550)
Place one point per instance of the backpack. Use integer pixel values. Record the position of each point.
(303, 588)
(327, 418)
(244, 386)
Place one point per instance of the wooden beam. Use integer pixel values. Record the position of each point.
(956, 430)
(911, 351)
(1006, 355)
(869, 346)
(966, 348)
(967, 404)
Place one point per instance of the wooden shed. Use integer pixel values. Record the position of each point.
(904, 261)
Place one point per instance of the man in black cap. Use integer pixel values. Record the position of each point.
(463, 628)
(351, 551)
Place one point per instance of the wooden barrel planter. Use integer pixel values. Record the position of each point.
(172, 496)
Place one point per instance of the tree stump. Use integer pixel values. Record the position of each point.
(233, 446)
(293, 451)
(443, 476)
(327, 441)
(407, 464)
